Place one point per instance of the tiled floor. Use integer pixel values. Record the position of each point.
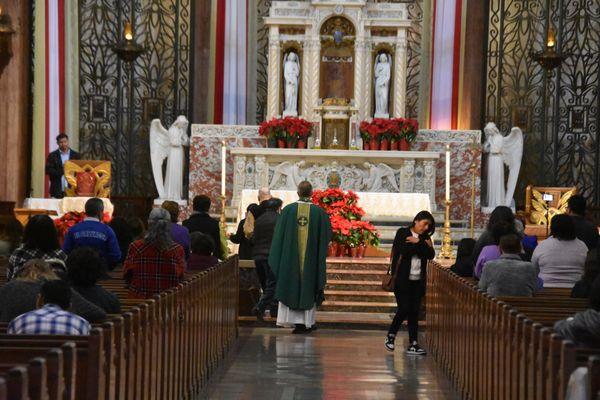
(270, 363)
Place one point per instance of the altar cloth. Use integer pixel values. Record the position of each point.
(64, 205)
(402, 206)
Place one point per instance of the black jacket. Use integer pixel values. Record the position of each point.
(586, 232)
(55, 171)
(407, 251)
(202, 222)
(264, 227)
(245, 249)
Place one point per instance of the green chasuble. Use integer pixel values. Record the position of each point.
(298, 254)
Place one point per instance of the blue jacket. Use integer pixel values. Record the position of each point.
(95, 234)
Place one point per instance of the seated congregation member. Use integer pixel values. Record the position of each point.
(201, 221)
(500, 213)
(492, 251)
(180, 234)
(584, 229)
(239, 238)
(463, 265)
(584, 327)
(264, 228)
(411, 251)
(264, 194)
(124, 235)
(20, 294)
(560, 258)
(155, 263)
(509, 275)
(591, 270)
(84, 269)
(93, 233)
(40, 240)
(201, 257)
(11, 233)
(51, 317)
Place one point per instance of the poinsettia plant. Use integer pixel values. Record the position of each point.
(286, 128)
(65, 222)
(394, 129)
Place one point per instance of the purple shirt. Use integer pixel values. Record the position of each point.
(181, 236)
(488, 253)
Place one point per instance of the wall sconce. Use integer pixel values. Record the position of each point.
(6, 32)
(127, 49)
(549, 58)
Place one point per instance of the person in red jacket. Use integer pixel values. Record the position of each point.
(154, 263)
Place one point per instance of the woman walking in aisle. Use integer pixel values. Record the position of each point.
(411, 251)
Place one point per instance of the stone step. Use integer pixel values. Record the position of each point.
(366, 296)
(382, 266)
(355, 285)
(354, 275)
(359, 306)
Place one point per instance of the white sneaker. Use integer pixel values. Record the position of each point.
(389, 342)
(415, 349)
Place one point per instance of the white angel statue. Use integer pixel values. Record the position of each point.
(168, 144)
(502, 150)
(291, 72)
(382, 85)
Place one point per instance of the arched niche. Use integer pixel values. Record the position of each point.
(286, 48)
(383, 48)
(336, 73)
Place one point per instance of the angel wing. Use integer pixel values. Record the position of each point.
(512, 153)
(159, 150)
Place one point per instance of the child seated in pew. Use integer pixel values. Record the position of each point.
(201, 257)
(509, 275)
(51, 317)
(584, 327)
(84, 269)
(19, 295)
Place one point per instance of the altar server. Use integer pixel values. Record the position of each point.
(297, 259)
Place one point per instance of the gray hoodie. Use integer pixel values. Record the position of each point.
(583, 328)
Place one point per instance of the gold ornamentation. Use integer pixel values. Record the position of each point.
(335, 102)
(446, 251)
(542, 214)
(101, 170)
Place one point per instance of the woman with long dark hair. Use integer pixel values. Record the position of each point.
(411, 252)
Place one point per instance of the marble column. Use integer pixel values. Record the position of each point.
(314, 50)
(429, 181)
(400, 74)
(306, 79)
(274, 73)
(367, 82)
(239, 178)
(359, 73)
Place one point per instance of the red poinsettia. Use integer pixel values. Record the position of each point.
(65, 222)
(389, 128)
(286, 128)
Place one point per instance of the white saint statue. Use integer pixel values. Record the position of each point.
(502, 150)
(291, 72)
(169, 144)
(382, 85)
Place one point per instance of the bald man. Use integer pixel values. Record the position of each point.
(264, 194)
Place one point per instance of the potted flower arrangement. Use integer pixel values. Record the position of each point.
(388, 133)
(350, 233)
(410, 128)
(287, 132)
(65, 222)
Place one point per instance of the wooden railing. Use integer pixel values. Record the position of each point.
(162, 348)
(502, 348)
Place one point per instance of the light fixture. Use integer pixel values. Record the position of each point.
(549, 58)
(127, 49)
(6, 32)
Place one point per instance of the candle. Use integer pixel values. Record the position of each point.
(447, 172)
(128, 31)
(223, 168)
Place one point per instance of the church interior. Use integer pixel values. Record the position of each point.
(417, 178)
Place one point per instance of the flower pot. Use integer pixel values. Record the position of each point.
(374, 144)
(353, 252)
(360, 251)
(366, 145)
(332, 250)
(281, 143)
(342, 251)
(384, 145)
(272, 142)
(404, 145)
(291, 143)
(301, 144)
(394, 145)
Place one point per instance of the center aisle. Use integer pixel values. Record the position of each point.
(271, 363)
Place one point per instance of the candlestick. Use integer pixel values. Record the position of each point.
(447, 251)
(223, 168)
(447, 172)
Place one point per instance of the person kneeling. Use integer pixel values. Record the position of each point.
(509, 275)
(51, 318)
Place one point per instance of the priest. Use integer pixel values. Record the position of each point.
(297, 259)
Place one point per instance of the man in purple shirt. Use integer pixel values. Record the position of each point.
(180, 234)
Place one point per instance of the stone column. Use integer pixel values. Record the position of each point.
(314, 52)
(261, 172)
(274, 73)
(359, 74)
(365, 112)
(239, 179)
(400, 74)
(429, 181)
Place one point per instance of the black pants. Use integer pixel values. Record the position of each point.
(267, 299)
(409, 305)
(260, 267)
